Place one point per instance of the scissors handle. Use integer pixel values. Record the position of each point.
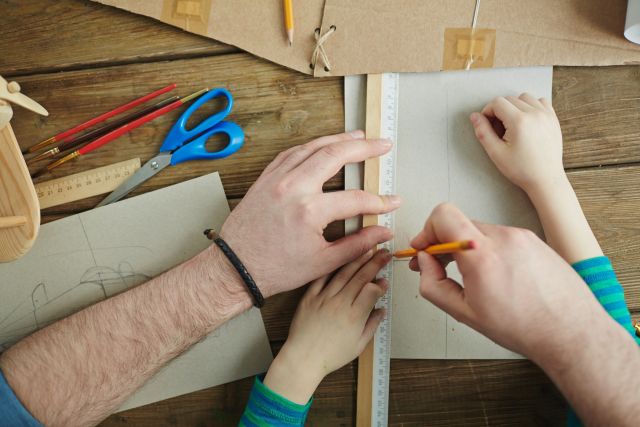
(197, 150)
(179, 134)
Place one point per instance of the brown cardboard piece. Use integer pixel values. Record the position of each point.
(374, 36)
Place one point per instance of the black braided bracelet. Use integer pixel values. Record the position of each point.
(258, 299)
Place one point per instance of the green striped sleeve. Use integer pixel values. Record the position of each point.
(268, 408)
(599, 275)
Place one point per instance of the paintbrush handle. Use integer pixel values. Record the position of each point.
(116, 133)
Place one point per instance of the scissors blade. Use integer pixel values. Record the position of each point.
(149, 169)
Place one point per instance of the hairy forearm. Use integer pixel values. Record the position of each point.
(565, 226)
(79, 370)
(597, 371)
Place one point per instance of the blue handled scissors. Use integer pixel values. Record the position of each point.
(182, 145)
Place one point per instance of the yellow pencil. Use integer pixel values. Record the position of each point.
(442, 248)
(288, 19)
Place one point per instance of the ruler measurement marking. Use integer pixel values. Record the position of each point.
(84, 184)
(382, 339)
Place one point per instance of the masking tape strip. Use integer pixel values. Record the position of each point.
(468, 48)
(190, 15)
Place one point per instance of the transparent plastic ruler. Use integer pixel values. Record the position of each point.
(382, 339)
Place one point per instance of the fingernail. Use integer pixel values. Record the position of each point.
(385, 256)
(474, 118)
(385, 143)
(394, 200)
(357, 134)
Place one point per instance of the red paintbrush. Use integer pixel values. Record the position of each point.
(61, 136)
(105, 139)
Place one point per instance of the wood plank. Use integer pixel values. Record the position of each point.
(371, 185)
(48, 36)
(277, 109)
(423, 392)
(610, 198)
(599, 112)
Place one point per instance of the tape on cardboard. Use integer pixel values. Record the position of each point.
(190, 15)
(466, 48)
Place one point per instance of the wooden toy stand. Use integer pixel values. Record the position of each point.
(19, 208)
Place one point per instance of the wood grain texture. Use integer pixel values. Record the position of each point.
(610, 198)
(599, 112)
(275, 107)
(18, 201)
(371, 184)
(74, 34)
(279, 109)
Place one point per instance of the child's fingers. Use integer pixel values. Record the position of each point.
(531, 100)
(547, 104)
(318, 285)
(342, 276)
(370, 327)
(366, 274)
(501, 108)
(520, 104)
(486, 134)
(369, 295)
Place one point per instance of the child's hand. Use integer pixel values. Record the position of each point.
(522, 136)
(334, 322)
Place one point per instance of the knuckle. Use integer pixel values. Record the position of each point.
(373, 289)
(443, 208)
(425, 290)
(306, 213)
(360, 247)
(281, 189)
(362, 197)
(333, 151)
(362, 277)
(518, 235)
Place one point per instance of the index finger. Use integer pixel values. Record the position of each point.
(446, 224)
(328, 160)
(501, 109)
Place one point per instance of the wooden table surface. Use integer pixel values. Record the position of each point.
(78, 59)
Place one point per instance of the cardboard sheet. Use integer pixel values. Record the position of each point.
(439, 159)
(86, 258)
(374, 36)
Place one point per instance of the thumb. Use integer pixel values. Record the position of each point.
(437, 288)
(486, 134)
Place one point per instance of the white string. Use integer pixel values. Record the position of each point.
(319, 49)
(474, 21)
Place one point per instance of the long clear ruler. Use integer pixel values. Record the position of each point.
(84, 184)
(379, 177)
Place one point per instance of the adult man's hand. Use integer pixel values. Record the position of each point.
(521, 294)
(277, 229)
(517, 290)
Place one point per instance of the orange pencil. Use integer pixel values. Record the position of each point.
(288, 20)
(440, 249)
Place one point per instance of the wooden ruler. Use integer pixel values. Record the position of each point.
(85, 184)
(379, 178)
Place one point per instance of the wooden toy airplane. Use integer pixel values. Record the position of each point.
(19, 207)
